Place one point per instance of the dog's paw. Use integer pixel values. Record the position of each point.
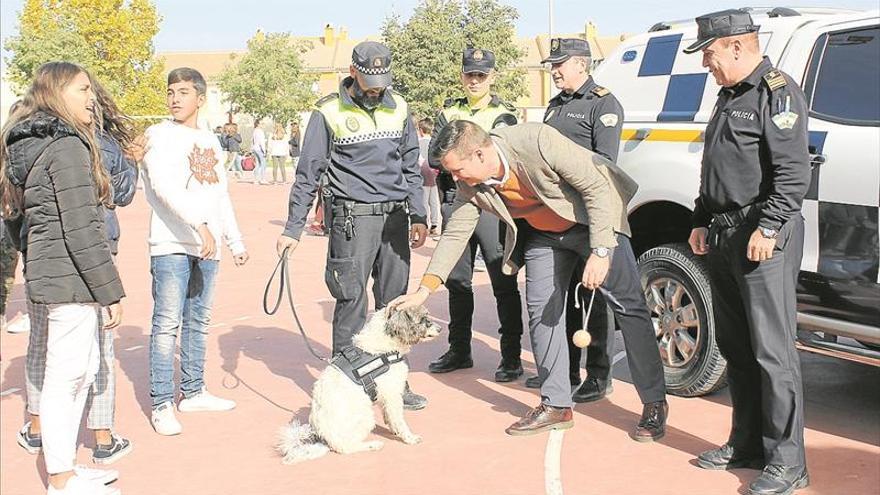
(411, 439)
(374, 445)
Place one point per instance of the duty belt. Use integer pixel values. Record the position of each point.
(363, 368)
(735, 218)
(343, 207)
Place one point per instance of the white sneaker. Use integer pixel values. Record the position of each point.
(163, 420)
(78, 485)
(19, 325)
(102, 476)
(204, 401)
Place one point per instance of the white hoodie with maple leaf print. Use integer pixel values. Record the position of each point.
(185, 184)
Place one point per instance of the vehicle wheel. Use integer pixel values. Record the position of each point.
(676, 288)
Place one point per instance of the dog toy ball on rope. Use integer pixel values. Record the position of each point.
(582, 338)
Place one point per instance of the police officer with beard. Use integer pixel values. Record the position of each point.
(747, 220)
(361, 146)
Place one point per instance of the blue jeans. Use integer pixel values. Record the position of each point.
(183, 291)
(259, 166)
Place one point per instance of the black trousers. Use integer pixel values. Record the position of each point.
(379, 246)
(504, 287)
(755, 313)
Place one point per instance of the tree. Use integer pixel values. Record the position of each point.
(269, 80)
(113, 39)
(427, 48)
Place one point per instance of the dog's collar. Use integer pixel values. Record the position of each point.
(363, 367)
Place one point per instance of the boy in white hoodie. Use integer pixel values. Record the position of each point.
(185, 184)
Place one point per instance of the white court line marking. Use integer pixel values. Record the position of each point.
(242, 318)
(552, 456)
(215, 325)
(617, 357)
(133, 348)
(9, 391)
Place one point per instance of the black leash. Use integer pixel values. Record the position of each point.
(284, 282)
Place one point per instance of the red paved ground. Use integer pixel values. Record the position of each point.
(261, 362)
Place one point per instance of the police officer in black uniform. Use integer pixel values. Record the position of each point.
(489, 112)
(361, 145)
(591, 116)
(747, 220)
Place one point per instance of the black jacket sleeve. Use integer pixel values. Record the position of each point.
(313, 163)
(412, 173)
(122, 171)
(786, 144)
(606, 138)
(82, 224)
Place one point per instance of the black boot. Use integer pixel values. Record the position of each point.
(509, 370)
(592, 389)
(451, 361)
(780, 480)
(726, 457)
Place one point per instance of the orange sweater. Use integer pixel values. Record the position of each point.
(522, 202)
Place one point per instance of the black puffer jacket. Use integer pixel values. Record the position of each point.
(68, 257)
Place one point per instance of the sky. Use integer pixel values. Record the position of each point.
(203, 25)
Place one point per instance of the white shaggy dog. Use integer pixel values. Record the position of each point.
(342, 412)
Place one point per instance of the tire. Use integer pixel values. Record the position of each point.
(676, 288)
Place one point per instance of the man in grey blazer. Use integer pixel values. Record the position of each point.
(558, 203)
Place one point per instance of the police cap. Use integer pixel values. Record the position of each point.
(477, 60)
(373, 60)
(710, 27)
(561, 49)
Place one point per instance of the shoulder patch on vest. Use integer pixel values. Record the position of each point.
(774, 80)
(328, 98)
(508, 106)
(600, 91)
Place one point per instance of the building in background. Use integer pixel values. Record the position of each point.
(330, 57)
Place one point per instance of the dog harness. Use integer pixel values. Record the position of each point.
(363, 368)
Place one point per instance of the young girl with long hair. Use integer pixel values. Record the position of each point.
(53, 186)
(115, 138)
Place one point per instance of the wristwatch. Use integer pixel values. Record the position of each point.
(601, 252)
(768, 233)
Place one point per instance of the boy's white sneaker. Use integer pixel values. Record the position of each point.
(163, 420)
(78, 485)
(205, 401)
(102, 476)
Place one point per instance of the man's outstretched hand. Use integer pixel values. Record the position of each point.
(410, 300)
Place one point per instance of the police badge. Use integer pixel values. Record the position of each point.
(609, 119)
(554, 45)
(478, 55)
(785, 119)
(351, 124)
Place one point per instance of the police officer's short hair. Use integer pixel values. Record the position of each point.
(459, 136)
(187, 74)
(584, 60)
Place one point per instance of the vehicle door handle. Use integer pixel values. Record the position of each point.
(816, 159)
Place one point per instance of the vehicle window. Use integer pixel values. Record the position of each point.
(845, 80)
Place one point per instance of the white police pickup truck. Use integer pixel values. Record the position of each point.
(667, 97)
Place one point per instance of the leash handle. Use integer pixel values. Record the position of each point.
(282, 270)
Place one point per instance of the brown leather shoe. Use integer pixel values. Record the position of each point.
(652, 425)
(542, 418)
